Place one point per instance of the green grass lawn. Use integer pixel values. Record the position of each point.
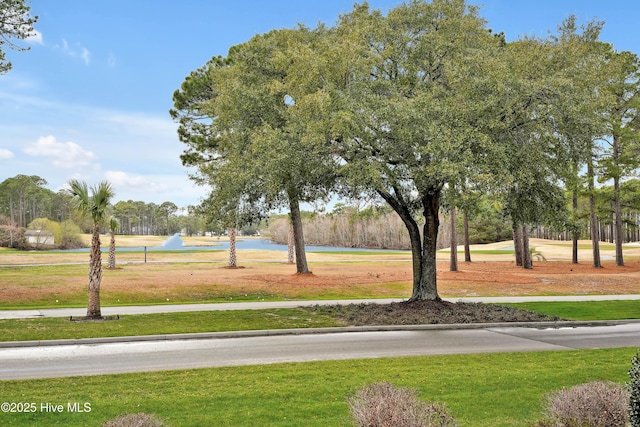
(163, 323)
(482, 251)
(492, 390)
(480, 390)
(503, 389)
(239, 320)
(584, 246)
(586, 310)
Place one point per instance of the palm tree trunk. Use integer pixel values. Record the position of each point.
(233, 258)
(95, 275)
(112, 251)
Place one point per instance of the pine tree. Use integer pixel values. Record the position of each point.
(15, 23)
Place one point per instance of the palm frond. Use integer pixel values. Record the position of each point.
(81, 200)
(94, 201)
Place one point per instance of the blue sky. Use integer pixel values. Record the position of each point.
(90, 100)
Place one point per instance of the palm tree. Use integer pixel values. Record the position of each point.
(93, 204)
(113, 227)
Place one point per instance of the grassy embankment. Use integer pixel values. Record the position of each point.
(483, 390)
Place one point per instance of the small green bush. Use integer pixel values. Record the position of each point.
(134, 420)
(594, 404)
(633, 387)
(385, 405)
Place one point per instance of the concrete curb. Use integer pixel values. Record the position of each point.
(309, 331)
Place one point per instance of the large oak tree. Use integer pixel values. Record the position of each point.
(409, 95)
(243, 119)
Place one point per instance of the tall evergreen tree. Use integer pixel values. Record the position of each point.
(622, 117)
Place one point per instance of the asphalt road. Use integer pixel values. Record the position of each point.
(121, 357)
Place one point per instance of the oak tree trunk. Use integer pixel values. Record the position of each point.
(517, 242)
(426, 288)
(423, 248)
(298, 237)
(526, 253)
(290, 243)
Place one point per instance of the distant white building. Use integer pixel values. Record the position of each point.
(39, 237)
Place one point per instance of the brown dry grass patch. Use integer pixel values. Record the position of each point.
(264, 274)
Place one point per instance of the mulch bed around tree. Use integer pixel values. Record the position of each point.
(428, 312)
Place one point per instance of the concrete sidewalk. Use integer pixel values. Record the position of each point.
(181, 308)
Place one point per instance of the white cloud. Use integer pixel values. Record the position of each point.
(66, 155)
(119, 178)
(75, 51)
(5, 154)
(122, 179)
(152, 188)
(86, 55)
(111, 60)
(35, 37)
(138, 152)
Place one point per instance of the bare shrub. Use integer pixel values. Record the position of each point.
(594, 404)
(634, 391)
(134, 420)
(385, 405)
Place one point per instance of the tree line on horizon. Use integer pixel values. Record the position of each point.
(377, 226)
(25, 202)
(351, 224)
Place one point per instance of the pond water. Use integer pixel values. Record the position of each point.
(268, 245)
(175, 242)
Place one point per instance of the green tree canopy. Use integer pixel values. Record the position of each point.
(409, 95)
(15, 23)
(242, 118)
